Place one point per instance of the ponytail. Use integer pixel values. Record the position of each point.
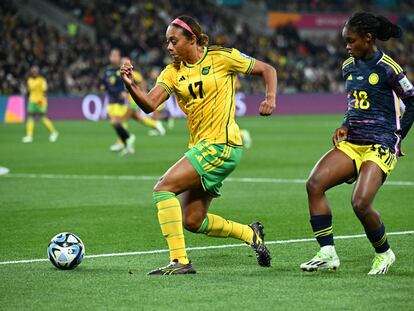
(386, 29)
(379, 26)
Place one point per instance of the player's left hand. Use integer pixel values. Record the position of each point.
(267, 107)
(126, 73)
(340, 134)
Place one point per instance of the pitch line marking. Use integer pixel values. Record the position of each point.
(201, 248)
(154, 178)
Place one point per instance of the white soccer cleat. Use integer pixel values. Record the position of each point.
(325, 259)
(27, 139)
(53, 137)
(116, 147)
(382, 262)
(130, 146)
(160, 128)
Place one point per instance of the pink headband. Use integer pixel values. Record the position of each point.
(183, 24)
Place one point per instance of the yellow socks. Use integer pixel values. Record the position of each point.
(49, 125)
(30, 127)
(217, 226)
(149, 122)
(170, 219)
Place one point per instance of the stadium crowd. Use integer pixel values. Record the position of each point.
(324, 6)
(74, 64)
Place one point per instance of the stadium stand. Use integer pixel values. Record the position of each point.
(73, 64)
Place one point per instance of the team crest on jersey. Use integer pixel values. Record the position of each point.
(205, 70)
(373, 78)
(350, 78)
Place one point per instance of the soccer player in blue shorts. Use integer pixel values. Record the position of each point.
(367, 144)
(117, 106)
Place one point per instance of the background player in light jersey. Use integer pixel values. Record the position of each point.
(366, 146)
(37, 106)
(133, 108)
(204, 83)
(117, 107)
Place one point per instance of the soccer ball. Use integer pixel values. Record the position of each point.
(65, 251)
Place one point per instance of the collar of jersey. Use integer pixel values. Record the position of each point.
(198, 62)
(374, 59)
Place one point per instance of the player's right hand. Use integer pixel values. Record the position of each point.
(339, 135)
(267, 106)
(126, 73)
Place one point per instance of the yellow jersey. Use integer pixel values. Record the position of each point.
(37, 87)
(205, 92)
(138, 79)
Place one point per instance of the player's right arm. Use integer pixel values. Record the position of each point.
(147, 102)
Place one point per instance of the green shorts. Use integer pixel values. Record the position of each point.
(36, 108)
(214, 162)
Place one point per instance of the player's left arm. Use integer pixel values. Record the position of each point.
(404, 89)
(269, 76)
(408, 116)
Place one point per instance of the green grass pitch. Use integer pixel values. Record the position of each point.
(117, 216)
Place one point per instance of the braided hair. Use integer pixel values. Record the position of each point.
(378, 26)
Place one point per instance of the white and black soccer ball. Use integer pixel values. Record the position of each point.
(66, 251)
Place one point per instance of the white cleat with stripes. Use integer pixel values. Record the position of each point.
(325, 259)
(382, 262)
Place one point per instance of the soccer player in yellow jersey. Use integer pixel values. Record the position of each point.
(204, 83)
(133, 109)
(37, 106)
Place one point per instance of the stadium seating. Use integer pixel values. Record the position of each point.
(73, 64)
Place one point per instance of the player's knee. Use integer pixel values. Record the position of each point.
(192, 222)
(161, 185)
(360, 205)
(157, 187)
(313, 185)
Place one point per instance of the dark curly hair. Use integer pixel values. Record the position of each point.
(378, 26)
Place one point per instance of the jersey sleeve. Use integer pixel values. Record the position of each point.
(237, 61)
(166, 79)
(399, 82)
